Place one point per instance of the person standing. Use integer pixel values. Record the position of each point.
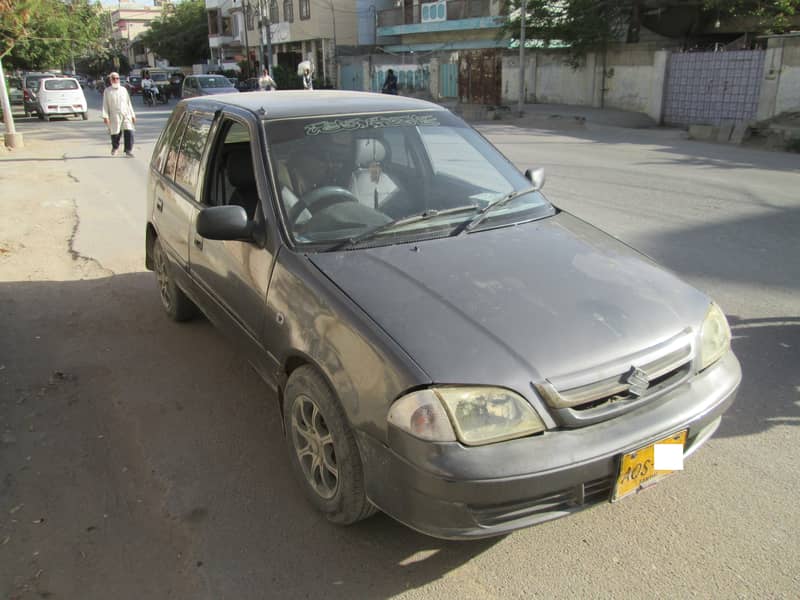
(118, 115)
(390, 85)
(265, 82)
(308, 81)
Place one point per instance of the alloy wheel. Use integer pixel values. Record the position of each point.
(313, 444)
(162, 275)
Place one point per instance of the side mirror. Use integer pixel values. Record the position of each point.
(224, 223)
(536, 177)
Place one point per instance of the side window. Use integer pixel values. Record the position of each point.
(194, 141)
(171, 148)
(164, 142)
(232, 180)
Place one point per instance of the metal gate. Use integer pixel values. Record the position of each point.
(479, 77)
(448, 80)
(352, 77)
(712, 87)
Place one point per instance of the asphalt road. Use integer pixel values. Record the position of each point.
(141, 459)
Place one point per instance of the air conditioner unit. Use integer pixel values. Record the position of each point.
(432, 12)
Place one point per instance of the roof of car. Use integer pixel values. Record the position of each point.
(303, 103)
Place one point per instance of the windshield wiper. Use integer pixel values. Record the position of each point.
(501, 201)
(423, 216)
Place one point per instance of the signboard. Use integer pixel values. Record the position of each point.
(280, 32)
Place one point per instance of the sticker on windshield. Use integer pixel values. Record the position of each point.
(336, 125)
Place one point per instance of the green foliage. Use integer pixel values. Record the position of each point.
(36, 34)
(583, 25)
(182, 36)
(772, 16)
(591, 25)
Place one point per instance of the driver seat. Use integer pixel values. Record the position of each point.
(239, 167)
(369, 183)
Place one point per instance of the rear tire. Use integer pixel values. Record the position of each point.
(46, 118)
(323, 450)
(176, 304)
(85, 116)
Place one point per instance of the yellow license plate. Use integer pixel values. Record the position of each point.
(637, 470)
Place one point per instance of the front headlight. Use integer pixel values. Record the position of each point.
(715, 337)
(475, 415)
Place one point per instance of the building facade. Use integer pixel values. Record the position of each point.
(293, 30)
(129, 21)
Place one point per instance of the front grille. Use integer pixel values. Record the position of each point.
(545, 507)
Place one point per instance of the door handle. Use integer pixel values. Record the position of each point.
(159, 204)
(199, 243)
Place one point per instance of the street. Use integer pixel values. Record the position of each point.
(140, 458)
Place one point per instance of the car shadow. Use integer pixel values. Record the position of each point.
(195, 436)
(769, 396)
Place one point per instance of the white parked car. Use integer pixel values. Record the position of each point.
(61, 97)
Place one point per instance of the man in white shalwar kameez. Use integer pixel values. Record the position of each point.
(118, 115)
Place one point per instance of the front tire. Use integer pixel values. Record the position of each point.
(176, 304)
(322, 449)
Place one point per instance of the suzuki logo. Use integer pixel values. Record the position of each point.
(637, 381)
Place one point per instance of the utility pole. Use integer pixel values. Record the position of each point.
(335, 69)
(522, 22)
(261, 36)
(246, 43)
(12, 139)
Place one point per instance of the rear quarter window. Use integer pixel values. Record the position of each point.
(173, 131)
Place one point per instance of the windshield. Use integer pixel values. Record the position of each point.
(339, 178)
(214, 82)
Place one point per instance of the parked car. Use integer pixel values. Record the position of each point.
(447, 345)
(30, 88)
(16, 96)
(61, 97)
(204, 85)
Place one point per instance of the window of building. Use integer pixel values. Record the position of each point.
(305, 9)
(213, 24)
(274, 16)
(288, 11)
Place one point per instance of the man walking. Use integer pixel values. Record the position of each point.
(118, 115)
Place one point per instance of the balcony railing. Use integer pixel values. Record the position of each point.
(456, 10)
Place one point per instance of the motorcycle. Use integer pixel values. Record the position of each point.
(154, 95)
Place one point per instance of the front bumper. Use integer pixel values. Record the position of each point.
(450, 491)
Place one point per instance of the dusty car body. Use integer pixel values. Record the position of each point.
(446, 345)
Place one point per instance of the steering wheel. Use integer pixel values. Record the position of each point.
(320, 199)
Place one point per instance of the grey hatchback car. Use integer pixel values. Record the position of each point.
(205, 85)
(445, 344)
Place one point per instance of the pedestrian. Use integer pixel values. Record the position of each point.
(118, 115)
(308, 82)
(265, 82)
(390, 84)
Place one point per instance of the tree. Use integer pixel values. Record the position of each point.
(772, 16)
(591, 25)
(180, 37)
(581, 25)
(43, 33)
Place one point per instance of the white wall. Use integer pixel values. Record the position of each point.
(635, 80)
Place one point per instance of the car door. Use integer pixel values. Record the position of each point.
(172, 202)
(236, 274)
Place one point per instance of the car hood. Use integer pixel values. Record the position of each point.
(539, 300)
